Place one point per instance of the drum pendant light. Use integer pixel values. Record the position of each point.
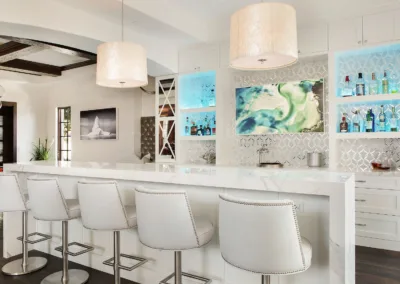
(263, 36)
(121, 64)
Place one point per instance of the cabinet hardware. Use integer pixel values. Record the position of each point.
(361, 181)
(299, 51)
(361, 200)
(359, 42)
(366, 41)
(361, 225)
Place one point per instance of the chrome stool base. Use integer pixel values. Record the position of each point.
(75, 276)
(15, 268)
(187, 275)
(178, 274)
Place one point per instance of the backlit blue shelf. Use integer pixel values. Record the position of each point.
(197, 90)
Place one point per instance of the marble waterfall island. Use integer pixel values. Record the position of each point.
(324, 199)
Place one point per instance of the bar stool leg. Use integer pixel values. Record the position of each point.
(65, 277)
(265, 279)
(178, 267)
(73, 276)
(26, 264)
(117, 257)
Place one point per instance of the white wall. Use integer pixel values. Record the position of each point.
(148, 104)
(31, 114)
(77, 89)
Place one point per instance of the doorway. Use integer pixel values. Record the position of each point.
(8, 142)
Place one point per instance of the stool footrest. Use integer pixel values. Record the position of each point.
(110, 262)
(42, 239)
(188, 275)
(85, 250)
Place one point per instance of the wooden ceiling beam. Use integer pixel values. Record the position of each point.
(78, 65)
(55, 47)
(13, 50)
(34, 68)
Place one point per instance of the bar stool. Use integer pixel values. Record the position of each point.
(262, 237)
(47, 203)
(165, 222)
(102, 209)
(13, 199)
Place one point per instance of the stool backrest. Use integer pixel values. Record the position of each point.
(11, 197)
(46, 199)
(165, 220)
(101, 206)
(260, 236)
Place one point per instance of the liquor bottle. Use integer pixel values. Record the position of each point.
(214, 127)
(370, 125)
(200, 131)
(187, 127)
(373, 85)
(207, 130)
(360, 85)
(193, 129)
(357, 122)
(344, 126)
(385, 84)
(382, 120)
(393, 120)
(347, 90)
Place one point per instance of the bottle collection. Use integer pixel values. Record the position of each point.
(371, 86)
(201, 125)
(371, 123)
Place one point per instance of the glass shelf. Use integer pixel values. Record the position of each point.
(367, 61)
(362, 108)
(198, 124)
(197, 90)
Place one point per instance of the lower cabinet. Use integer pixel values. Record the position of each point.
(378, 212)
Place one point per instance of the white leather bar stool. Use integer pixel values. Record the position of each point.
(102, 209)
(165, 222)
(12, 199)
(262, 237)
(47, 203)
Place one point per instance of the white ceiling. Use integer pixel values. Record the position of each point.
(53, 58)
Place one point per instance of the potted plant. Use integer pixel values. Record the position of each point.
(41, 151)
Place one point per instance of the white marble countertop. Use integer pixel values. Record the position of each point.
(251, 178)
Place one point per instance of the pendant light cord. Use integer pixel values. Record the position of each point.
(122, 20)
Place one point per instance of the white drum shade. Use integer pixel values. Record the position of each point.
(121, 65)
(263, 36)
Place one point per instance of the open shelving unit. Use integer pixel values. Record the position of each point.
(368, 60)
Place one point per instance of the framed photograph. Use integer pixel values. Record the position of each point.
(293, 107)
(99, 124)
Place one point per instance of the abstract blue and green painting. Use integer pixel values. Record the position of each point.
(293, 107)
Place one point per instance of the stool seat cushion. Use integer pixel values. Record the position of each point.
(131, 215)
(307, 251)
(74, 211)
(205, 230)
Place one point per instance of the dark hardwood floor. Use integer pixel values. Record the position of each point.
(374, 266)
(54, 264)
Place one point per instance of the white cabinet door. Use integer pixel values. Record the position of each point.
(379, 28)
(380, 201)
(378, 226)
(313, 40)
(346, 34)
(199, 59)
(397, 25)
